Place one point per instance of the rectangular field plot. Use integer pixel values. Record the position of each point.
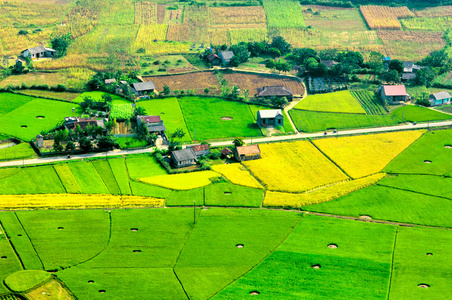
(284, 13)
(342, 102)
(103, 169)
(329, 18)
(293, 167)
(9, 102)
(252, 82)
(384, 203)
(22, 150)
(411, 113)
(170, 112)
(34, 180)
(212, 118)
(143, 166)
(384, 17)
(186, 198)
(324, 258)
(10, 262)
(424, 184)
(227, 194)
(193, 81)
(371, 104)
(31, 118)
(431, 24)
(118, 166)
(421, 256)
(87, 178)
(147, 190)
(67, 179)
(247, 16)
(429, 155)
(239, 238)
(81, 234)
(51, 94)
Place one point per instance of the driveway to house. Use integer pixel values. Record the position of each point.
(297, 136)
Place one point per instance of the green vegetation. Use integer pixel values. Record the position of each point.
(384, 203)
(20, 151)
(371, 104)
(118, 166)
(104, 170)
(186, 198)
(170, 112)
(363, 251)
(87, 177)
(9, 264)
(97, 96)
(204, 118)
(121, 111)
(227, 194)
(25, 280)
(217, 232)
(308, 121)
(34, 180)
(410, 113)
(81, 234)
(413, 265)
(424, 184)
(129, 142)
(432, 24)
(147, 190)
(67, 96)
(283, 14)
(67, 179)
(341, 102)
(30, 119)
(12, 101)
(143, 165)
(431, 147)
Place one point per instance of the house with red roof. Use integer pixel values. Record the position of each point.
(250, 152)
(393, 94)
(153, 123)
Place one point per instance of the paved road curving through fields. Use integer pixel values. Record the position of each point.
(297, 136)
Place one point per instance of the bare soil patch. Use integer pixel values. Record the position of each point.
(239, 246)
(424, 286)
(317, 266)
(254, 293)
(40, 117)
(332, 246)
(227, 118)
(365, 217)
(196, 81)
(428, 161)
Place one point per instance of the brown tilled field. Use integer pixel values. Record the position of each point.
(193, 81)
(253, 81)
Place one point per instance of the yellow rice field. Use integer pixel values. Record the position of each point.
(183, 181)
(237, 174)
(320, 195)
(294, 167)
(55, 201)
(363, 155)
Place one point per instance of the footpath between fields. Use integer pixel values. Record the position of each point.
(297, 136)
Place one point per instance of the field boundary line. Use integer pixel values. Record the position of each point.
(410, 191)
(392, 261)
(101, 177)
(2, 229)
(185, 121)
(31, 243)
(58, 175)
(180, 282)
(265, 257)
(332, 161)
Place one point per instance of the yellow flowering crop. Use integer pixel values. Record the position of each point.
(237, 174)
(55, 201)
(320, 195)
(363, 155)
(183, 181)
(293, 167)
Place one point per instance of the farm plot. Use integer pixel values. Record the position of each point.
(239, 239)
(10, 102)
(430, 24)
(10, 41)
(238, 35)
(117, 12)
(252, 82)
(293, 167)
(371, 104)
(24, 280)
(193, 81)
(445, 79)
(195, 25)
(436, 11)
(284, 14)
(22, 150)
(31, 118)
(421, 257)
(226, 194)
(147, 190)
(237, 174)
(384, 17)
(97, 96)
(341, 102)
(40, 14)
(411, 45)
(186, 198)
(118, 166)
(83, 234)
(183, 181)
(87, 178)
(323, 18)
(384, 203)
(362, 155)
(230, 17)
(145, 12)
(170, 112)
(103, 169)
(360, 263)
(424, 184)
(39, 180)
(121, 111)
(147, 36)
(67, 96)
(10, 262)
(67, 179)
(310, 121)
(428, 155)
(143, 166)
(410, 113)
(213, 118)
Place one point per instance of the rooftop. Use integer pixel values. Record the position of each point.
(441, 95)
(185, 154)
(269, 113)
(394, 90)
(143, 86)
(274, 91)
(150, 119)
(246, 150)
(201, 147)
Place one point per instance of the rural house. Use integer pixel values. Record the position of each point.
(183, 158)
(275, 91)
(226, 153)
(226, 56)
(153, 123)
(214, 59)
(409, 70)
(109, 81)
(440, 98)
(393, 94)
(200, 150)
(244, 153)
(143, 88)
(72, 122)
(270, 117)
(38, 52)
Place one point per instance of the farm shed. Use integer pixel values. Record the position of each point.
(275, 91)
(109, 81)
(244, 153)
(214, 59)
(440, 98)
(153, 123)
(270, 117)
(226, 152)
(201, 150)
(393, 94)
(183, 158)
(38, 52)
(226, 56)
(83, 123)
(143, 88)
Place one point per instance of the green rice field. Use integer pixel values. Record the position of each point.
(340, 102)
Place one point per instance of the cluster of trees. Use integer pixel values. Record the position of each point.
(97, 82)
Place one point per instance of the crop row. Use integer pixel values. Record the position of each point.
(384, 17)
(121, 111)
(369, 102)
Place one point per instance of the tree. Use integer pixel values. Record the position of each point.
(70, 146)
(241, 52)
(280, 43)
(57, 146)
(397, 65)
(390, 76)
(166, 90)
(274, 52)
(435, 59)
(355, 59)
(106, 143)
(282, 66)
(270, 64)
(78, 131)
(178, 134)
(238, 141)
(424, 76)
(143, 131)
(376, 61)
(85, 144)
(301, 55)
(107, 98)
(60, 44)
(23, 32)
(235, 61)
(139, 111)
(206, 90)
